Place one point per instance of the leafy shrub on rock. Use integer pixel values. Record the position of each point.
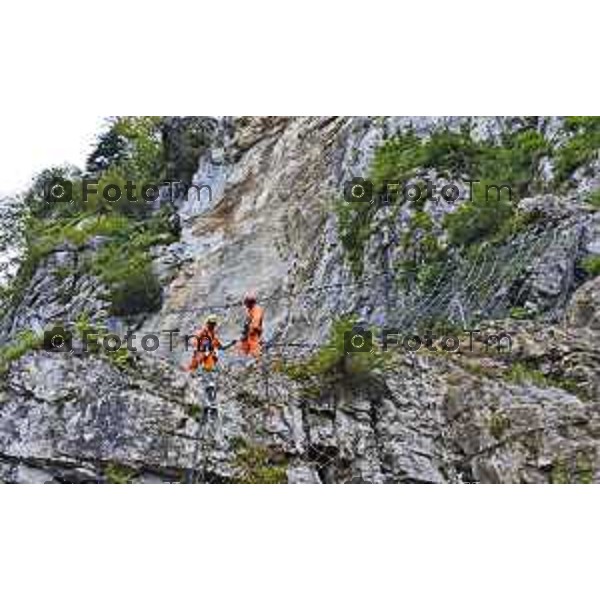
(24, 343)
(333, 363)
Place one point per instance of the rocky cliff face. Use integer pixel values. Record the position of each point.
(530, 415)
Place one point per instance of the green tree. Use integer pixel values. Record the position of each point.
(111, 150)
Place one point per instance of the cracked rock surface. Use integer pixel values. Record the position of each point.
(426, 417)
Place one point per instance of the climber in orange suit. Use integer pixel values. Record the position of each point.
(206, 346)
(250, 343)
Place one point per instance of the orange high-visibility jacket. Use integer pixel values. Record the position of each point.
(250, 343)
(205, 343)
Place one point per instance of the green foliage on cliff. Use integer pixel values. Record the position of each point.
(131, 150)
(424, 255)
(527, 372)
(593, 199)
(18, 347)
(333, 363)
(257, 464)
(499, 423)
(122, 262)
(578, 469)
(580, 148)
(133, 286)
(354, 224)
(492, 167)
(184, 143)
(131, 147)
(118, 474)
(584, 468)
(491, 207)
(560, 472)
(125, 266)
(123, 230)
(591, 264)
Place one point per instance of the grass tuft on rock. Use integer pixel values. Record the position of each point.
(258, 464)
(24, 343)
